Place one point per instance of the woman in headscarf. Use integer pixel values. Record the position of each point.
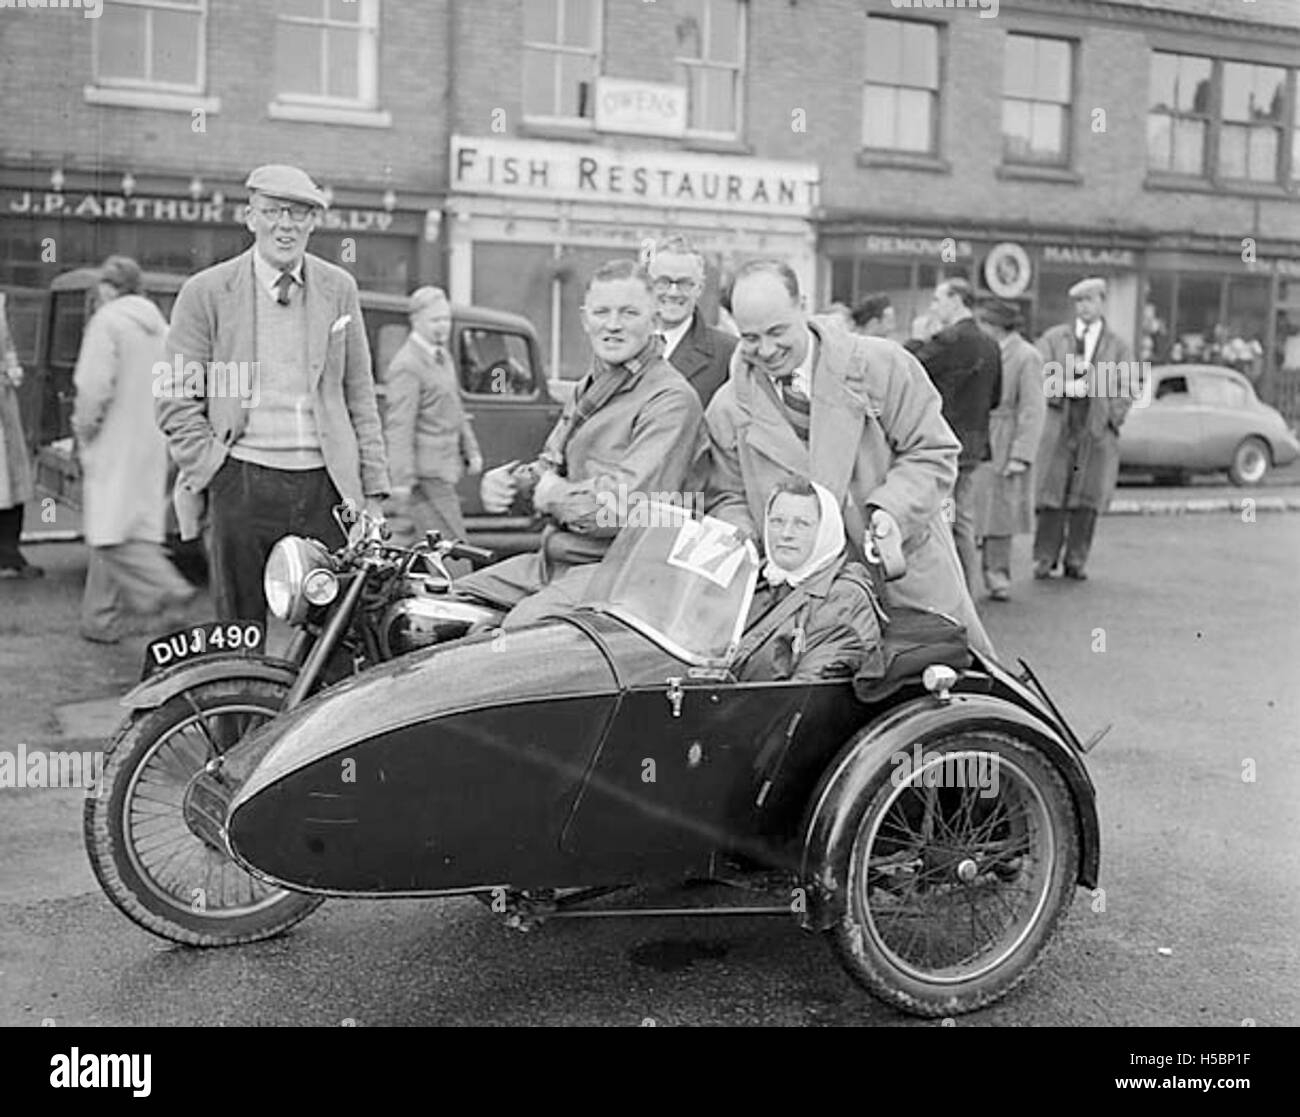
(814, 614)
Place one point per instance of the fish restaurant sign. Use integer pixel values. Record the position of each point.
(181, 211)
(579, 172)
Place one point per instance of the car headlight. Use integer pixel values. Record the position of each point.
(299, 573)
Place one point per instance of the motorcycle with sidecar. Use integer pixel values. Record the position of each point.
(933, 824)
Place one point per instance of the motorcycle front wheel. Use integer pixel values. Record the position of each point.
(157, 869)
(961, 870)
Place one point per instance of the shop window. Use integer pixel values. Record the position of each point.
(1036, 81)
(710, 63)
(1157, 319)
(1253, 113)
(326, 52)
(495, 363)
(561, 58)
(1198, 315)
(158, 44)
(1178, 113)
(900, 97)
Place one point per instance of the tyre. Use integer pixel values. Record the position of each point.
(157, 870)
(953, 892)
(1250, 462)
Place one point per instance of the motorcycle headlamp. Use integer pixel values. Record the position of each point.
(298, 574)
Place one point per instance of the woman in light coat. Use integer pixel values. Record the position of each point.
(1004, 501)
(123, 456)
(15, 464)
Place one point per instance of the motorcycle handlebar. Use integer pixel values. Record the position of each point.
(466, 551)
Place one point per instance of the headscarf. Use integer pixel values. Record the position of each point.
(827, 546)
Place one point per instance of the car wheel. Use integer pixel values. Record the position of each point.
(1250, 462)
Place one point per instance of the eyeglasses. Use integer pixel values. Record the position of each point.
(667, 282)
(297, 212)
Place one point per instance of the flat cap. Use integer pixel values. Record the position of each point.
(1092, 286)
(424, 297)
(279, 180)
(1005, 315)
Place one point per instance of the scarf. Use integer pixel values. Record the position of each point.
(829, 543)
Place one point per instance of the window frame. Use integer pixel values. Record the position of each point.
(1210, 148)
(738, 69)
(1281, 168)
(934, 151)
(557, 49)
(1068, 145)
(367, 25)
(199, 86)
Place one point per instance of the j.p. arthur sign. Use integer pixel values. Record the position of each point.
(182, 211)
(580, 172)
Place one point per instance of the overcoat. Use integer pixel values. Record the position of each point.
(703, 356)
(123, 453)
(877, 438)
(1080, 472)
(1005, 505)
(215, 319)
(15, 463)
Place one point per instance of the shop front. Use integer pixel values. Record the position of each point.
(528, 221)
(1031, 268)
(51, 222)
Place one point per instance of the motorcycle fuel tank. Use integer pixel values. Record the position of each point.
(449, 769)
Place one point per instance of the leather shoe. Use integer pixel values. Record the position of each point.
(999, 594)
(1042, 570)
(1076, 573)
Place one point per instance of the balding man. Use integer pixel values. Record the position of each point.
(855, 414)
(430, 440)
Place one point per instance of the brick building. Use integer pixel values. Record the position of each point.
(507, 146)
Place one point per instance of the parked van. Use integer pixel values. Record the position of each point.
(503, 384)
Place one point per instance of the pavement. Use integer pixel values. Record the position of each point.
(1184, 640)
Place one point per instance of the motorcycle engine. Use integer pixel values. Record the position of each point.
(425, 620)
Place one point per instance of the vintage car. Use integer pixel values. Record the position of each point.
(933, 824)
(1204, 419)
(503, 385)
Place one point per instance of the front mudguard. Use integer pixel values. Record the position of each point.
(836, 808)
(171, 681)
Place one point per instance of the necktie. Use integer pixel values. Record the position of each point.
(282, 285)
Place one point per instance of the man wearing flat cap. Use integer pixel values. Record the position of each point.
(277, 459)
(430, 440)
(1078, 457)
(1004, 492)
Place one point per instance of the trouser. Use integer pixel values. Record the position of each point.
(250, 507)
(996, 561)
(434, 506)
(1060, 528)
(136, 575)
(11, 530)
(963, 525)
(529, 586)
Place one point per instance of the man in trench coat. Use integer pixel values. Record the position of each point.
(1004, 502)
(855, 414)
(1078, 457)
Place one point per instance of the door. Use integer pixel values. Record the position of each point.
(1226, 416)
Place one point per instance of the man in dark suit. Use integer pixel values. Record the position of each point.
(966, 367)
(699, 352)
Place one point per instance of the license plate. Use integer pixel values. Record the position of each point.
(211, 638)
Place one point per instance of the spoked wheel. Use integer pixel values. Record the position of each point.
(162, 871)
(959, 874)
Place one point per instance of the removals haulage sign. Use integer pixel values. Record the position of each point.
(582, 172)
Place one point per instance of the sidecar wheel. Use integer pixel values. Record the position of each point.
(157, 870)
(952, 893)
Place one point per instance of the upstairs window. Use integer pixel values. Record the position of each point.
(1037, 77)
(326, 52)
(561, 59)
(156, 44)
(900, 97)
(1179, 113)
(1254, 112)
(710, 63)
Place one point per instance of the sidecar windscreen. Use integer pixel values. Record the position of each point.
(685, 583)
